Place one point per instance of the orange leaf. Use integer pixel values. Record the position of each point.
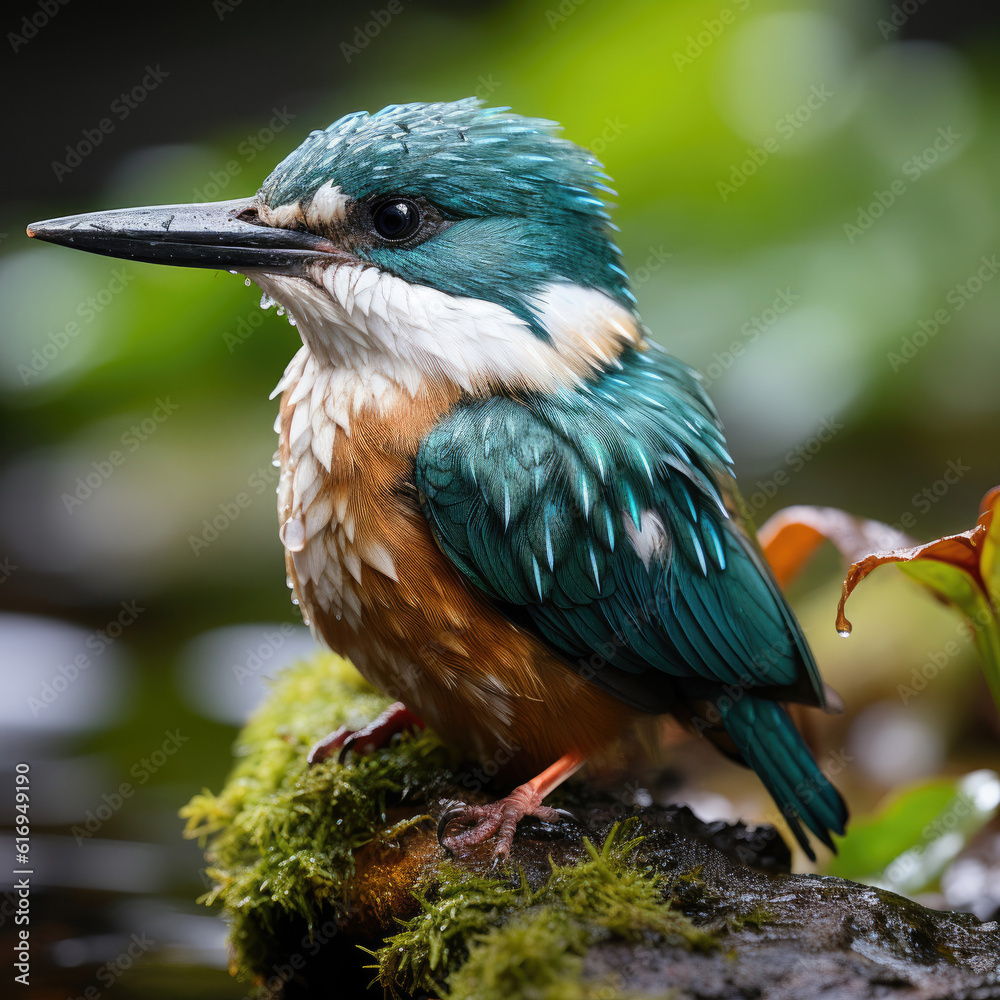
(790, 537)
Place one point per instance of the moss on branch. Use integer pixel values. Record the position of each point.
(332, 880)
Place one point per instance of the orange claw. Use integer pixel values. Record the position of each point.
(500, 818)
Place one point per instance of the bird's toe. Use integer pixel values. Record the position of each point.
(481, 821)
(397, 718)
(325, 748)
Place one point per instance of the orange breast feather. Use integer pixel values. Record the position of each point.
(397, 608)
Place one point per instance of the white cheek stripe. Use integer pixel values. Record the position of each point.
(328, 205)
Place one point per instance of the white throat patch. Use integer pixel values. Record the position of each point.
(359, 317)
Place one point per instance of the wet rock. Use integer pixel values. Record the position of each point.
(311, 863)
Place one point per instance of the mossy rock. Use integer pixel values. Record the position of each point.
(333, 881)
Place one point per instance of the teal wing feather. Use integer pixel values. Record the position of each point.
(539, 499)
(605, 521)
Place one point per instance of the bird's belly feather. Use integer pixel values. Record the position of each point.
(377, 589)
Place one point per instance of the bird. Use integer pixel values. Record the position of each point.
(499, 496)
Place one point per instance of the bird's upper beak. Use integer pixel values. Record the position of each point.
(216, 234)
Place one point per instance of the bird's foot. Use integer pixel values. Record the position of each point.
(495, 819)
(397, 718)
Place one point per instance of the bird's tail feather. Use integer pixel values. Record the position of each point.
(769, 742)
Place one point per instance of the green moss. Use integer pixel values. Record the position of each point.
(282, 839)
(536, 954)
(756, 918)
(484, 939)
(282, 835)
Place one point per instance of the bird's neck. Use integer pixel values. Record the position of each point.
(372, 323)
(344, 383)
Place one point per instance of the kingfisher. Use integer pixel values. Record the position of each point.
(508, 506)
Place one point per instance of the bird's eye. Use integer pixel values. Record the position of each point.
(395, 220)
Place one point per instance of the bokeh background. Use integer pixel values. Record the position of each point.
(809, 204)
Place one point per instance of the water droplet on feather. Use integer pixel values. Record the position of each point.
(293, 534)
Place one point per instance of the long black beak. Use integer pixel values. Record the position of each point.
(221, 234)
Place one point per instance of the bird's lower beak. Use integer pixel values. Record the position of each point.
(222, 235)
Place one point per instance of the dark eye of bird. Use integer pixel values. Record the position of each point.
(396, 220)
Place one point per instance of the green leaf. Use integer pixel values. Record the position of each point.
(908, 843)
(989, 560)
(959, 588)
(954, 584)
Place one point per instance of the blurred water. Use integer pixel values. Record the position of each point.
(113, 885)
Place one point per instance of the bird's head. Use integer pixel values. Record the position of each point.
(444, 240)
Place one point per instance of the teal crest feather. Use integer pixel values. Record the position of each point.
(528, 207)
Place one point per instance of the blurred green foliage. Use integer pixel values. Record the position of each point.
(756, 158)
(910, 840)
